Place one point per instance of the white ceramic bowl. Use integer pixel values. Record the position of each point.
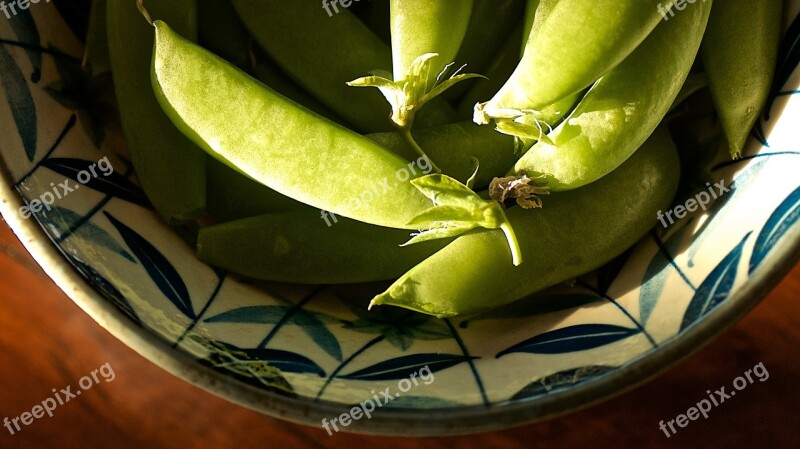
(308, 354)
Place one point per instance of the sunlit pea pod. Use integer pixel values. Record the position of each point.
(423, 26)
(578, 42)
(577, 231)
(311, 247)
(739, 53)
(244, 124)
(170, 168)
(322, 53)
(622, 109)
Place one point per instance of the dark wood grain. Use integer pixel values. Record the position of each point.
(47, 342)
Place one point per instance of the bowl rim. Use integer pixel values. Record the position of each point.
(436, 422)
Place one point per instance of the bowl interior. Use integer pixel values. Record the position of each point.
(308, 352)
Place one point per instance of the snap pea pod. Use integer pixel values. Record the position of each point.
(621, 110)
(156, 146)
(451, 146)
(424, 26)
(233, 196)
(577, 232)
(302, 247)
(482, 42)
(339, 49)
(599, 35)
(244, 124)
(266, 71)
(739, 53)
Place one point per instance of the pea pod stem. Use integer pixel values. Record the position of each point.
(406, 133)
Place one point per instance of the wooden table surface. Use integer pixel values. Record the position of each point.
(47, 342)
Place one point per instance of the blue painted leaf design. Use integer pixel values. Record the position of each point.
(655, 277)
(420, 402)
(403, 367)
(25, 29)
(60, 221)
(20, 100)
(309, 322)
(160, 270)
(716, 287)
(113, 184)
(560, 381)
(758, 133)
(576, 338)
(106, 287)
(783, 218)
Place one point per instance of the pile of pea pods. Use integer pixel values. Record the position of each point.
(472, 152)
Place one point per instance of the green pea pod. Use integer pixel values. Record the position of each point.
(452, 146)
(577, 43)
(233, 196)
(266, 71)
(622, 109)
(339, 49)
(286, 147)
(424, 26)
(306, 247)
(95, 54)
(739, 53)
(170, 168)
(577, 232)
